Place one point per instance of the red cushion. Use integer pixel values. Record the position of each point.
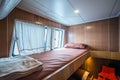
(107, 73)
(103, 76)
(107, 69)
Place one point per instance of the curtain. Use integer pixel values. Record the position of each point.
(48, 39)
(57, 38)
(30, 37)
(53, 38)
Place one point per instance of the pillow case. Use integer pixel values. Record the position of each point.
(75, 45)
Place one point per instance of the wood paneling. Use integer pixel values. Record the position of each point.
(105, 55)
(74, 33)
(99, 35)
(114, 34)
(3, 37)
(104, 35)
(119, 33)
(24, 16)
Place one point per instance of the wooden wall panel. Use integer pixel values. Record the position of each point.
(119, 33)
(89, 35)
(104, 35)
(114, 34)
(99, 35)
(71, 34)
(3, 38)
(74, 33)
(28, 17)
(105, 55)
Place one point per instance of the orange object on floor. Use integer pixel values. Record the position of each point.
(108, 73)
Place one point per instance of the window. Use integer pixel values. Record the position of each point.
(15, 50)
(58, 38)
(31, 38)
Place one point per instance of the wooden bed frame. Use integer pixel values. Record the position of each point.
(64, 72)
(67, 70)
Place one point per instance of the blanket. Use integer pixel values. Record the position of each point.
(16, 67)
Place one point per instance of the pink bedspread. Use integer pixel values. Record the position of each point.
(53, 60)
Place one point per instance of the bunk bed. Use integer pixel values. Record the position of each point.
(58, 64)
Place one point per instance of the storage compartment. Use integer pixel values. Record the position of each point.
(94, 67)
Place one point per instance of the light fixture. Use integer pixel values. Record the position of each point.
(88, 27)
(76, 11)
(37, 22)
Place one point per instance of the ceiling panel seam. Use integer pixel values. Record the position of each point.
(74, 9)
(113, 7)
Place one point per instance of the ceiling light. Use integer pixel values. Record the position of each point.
(76, 11)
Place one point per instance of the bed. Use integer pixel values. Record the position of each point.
(58, 64)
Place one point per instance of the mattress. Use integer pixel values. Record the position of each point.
(53, 60)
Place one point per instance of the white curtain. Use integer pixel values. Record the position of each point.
(48, 39)
(30, 37)
(53, 37)
(57, 38)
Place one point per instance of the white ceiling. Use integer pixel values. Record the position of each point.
(62, 11)
(6, 6)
